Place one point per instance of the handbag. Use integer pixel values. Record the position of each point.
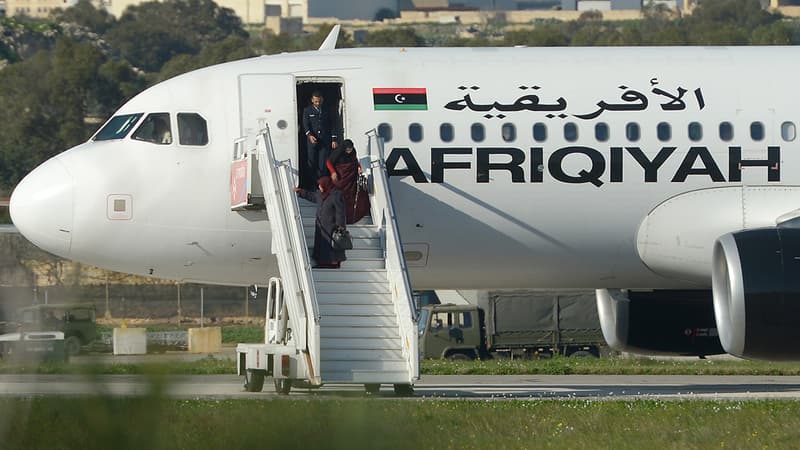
(341, 240)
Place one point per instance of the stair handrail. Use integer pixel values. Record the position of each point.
(383, 213)
(291, 251)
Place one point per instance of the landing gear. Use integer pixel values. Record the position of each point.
(254, 380)
(283, 385)
(372, 388)
(403, 390)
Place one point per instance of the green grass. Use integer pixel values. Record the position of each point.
(607, 366)
(205, 366)
(230, 334)
(235, 335)
(155, 423)
(555, 366)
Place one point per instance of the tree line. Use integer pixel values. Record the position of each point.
(82, 63)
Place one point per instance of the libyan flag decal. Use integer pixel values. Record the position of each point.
(400, 99)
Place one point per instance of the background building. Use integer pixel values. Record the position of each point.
(35, 8)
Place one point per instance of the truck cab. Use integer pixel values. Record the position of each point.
(452, 332)
(75, 320)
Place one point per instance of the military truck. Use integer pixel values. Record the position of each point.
(76, 320)
(513, 324)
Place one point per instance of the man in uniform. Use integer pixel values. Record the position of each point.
(318, 126)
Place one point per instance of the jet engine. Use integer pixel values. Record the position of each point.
(756, 286)
(674, 323)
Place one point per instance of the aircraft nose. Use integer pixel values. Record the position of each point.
(41, 207)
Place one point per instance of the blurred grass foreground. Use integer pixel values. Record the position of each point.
(156, 423)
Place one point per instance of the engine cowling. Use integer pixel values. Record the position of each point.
(673, 323)
(756, 286)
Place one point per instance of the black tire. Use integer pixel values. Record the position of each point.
(72, 345)
(403, 390)
(283, 385)
(582, 354)
(254, 380)
(460, 357)
(372, 388)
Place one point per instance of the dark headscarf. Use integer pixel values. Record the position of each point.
(327, 186)
(340, 155)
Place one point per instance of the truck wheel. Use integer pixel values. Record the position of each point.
(72, 345)
(254, 380)
(372, 388)
(582, 354)
(403, 390)
(459, 357)
(283, 385)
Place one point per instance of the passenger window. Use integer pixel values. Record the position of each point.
(509, 132)
(155, 128)
(539, 132)
(632, 131)
(571, 132)
(415, 132)
(118, 127)
(446, 132)
(385, 131)
(478, 133)
(695, 131)
(601, 132)
(757, 131)
(788, 131)
(192, 129)
(725, 131)
(663, 131)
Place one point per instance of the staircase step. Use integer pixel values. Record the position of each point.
(353, 355)
(356, 253)
(330, 343)
(356, 310)
(350, 332)
(363, 263)
(357, 276)
(356, 231)
(359, 321)
(368, 243)
(367, 376)
(376, 365)
(353, 299)
(331, 287)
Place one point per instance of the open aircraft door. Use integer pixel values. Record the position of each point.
(269, 99)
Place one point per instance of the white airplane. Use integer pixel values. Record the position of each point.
(609, 168)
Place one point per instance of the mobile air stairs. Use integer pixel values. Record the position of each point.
(354, 325)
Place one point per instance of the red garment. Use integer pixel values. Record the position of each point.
(356, 203)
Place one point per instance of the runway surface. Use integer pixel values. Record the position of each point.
(606, 387)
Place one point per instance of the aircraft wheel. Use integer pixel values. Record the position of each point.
(372, 388)
(403, 390)
(254, 380)
(283, 385)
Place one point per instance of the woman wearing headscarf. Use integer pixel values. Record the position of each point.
(344, 168)
(330, 216)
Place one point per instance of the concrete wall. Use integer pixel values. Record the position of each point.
(626, 4)
(349, 9)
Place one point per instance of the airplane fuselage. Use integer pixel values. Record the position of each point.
(517, 167)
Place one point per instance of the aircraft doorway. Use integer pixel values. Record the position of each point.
(333, 105)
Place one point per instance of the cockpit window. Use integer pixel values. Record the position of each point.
(192, 129)
(118, 127)
(155, 128)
